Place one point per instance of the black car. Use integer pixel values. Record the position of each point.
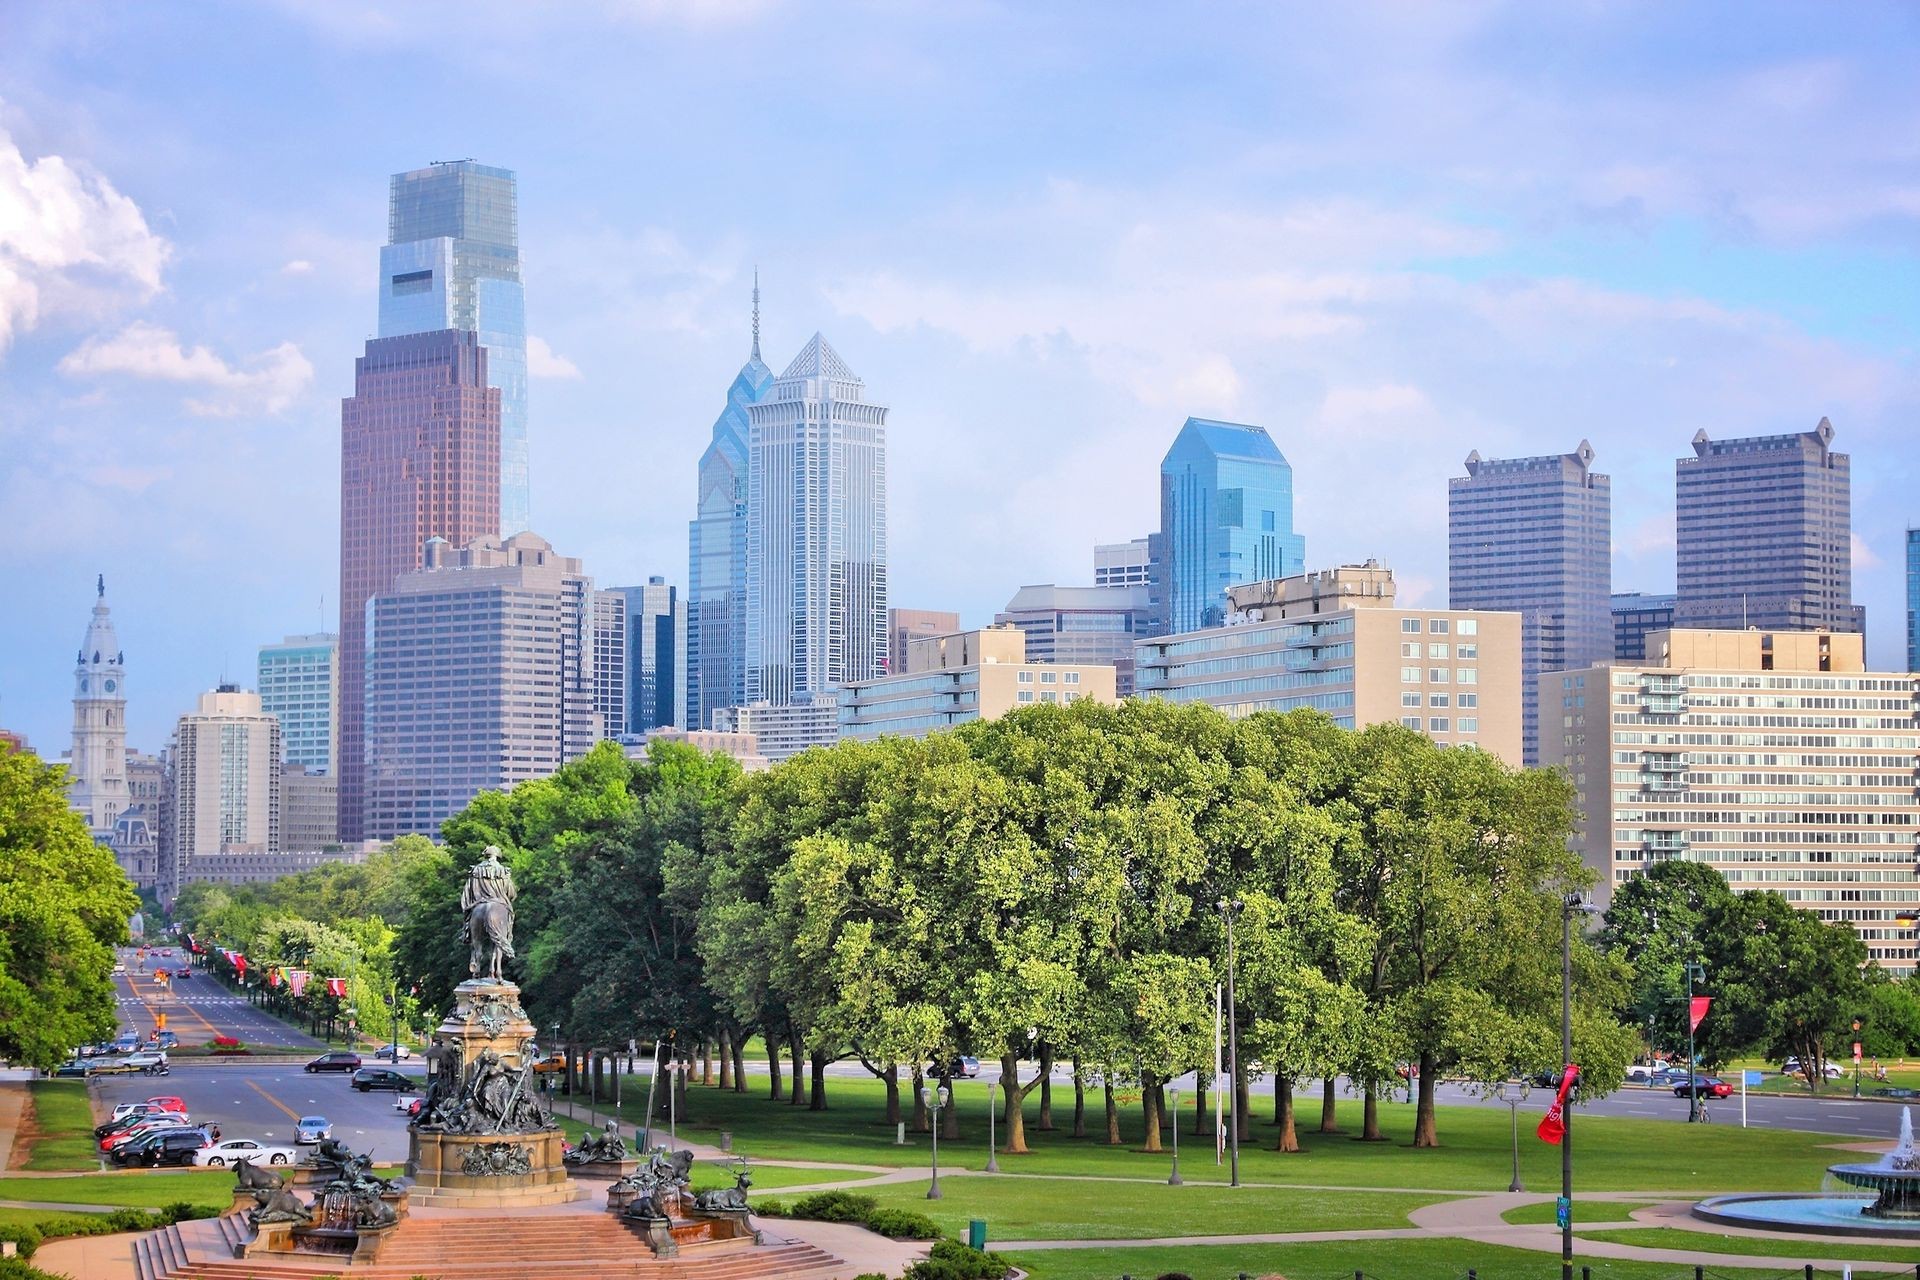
(367, 1078)
(335, 1062)
(168, 1146)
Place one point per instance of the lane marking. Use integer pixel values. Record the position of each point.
(290, 1113)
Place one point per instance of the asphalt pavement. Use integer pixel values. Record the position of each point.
(197, 1008)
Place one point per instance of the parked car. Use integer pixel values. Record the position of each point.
(392, 1053)
(167, 1102)
(126, 1043)
(71, 1069)
(367, 1078)
(112, 1067)
(1792, 1067)
(1895, 1091)
(337, 1061)
(555, 1061)
(960, 1066)
(1704, 1086)
(234, 1150)
(312, 1129)
(133, 1133)
(120, 1124)
(150, 1063)
(171, 1146)
(406, 1104)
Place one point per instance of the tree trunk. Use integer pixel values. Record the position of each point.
(1201, 1080)
(1425, 1130)
(921, 1124)
(1046, 1088)
(950, 1116)
(706, 1062)
(1016, 1096)
(818, 1102)
(1079, 1101)
(1370, 1118)
(726, 1059)
(773, 1065)
(740, 1060)
(1150, 1104)
(891, 1078)
(1283, 1096)
(1243, 1105)
(799, 1094)
(1113, 1112)
(1329, 1104)
(1277, 1101)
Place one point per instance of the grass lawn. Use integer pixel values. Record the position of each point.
(114, 1190)
(1591, 1210)
(21, 1217)
(1072, 1209)
(62, 1126)
(1389, 1259)
(1783, 1246)
(1614, 1154)
(708, 1174)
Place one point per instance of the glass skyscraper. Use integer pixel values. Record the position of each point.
(299, 687)
(1534, 536)
(452, 261)
(1913, 599)
(716, 606)
(1226, 517)
(1764, 529)
(656, 625)
(816, 532)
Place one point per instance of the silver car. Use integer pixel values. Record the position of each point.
(312, 1129)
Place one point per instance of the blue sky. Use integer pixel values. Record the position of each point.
(1043, 235)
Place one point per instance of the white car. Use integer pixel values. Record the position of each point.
(234, 1150)
(312, 1129)
(405, 1102)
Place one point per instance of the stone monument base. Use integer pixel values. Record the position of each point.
(598, 1171)
(484, 1170)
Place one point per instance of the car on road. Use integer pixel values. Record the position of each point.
(166, 951)
(234, 1150)
(112, 1067)
(1702, 1086)
(367, 1078)
(169, 1146)
(555, 1061)
(337, 1061)
(126, 1043)
(148, 1063)
(147, 1127)
(1895, 1091)
(75, 1067)
(959, 1066)
(119, 967)
(392, 1053)
(164, 1040)
(406, 1103)
(312, 1129)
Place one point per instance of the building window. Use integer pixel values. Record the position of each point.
(1466, 652)
(1026, 695)
(1046, 677)
(1467, 675)
(1437, 626)
(1411, 722)
(1437, 700)
(1049, 696)
(1467, 627)
(1438, 651)
(1409, 675)
(1071, 677)
(1410, 625)
(1436, 724)
(1410, 648)
(1468, 700)
(1469, 724)
(1026, 677)
(1436, 675)
(1410, 699)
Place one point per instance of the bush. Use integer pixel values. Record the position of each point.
(834, 1206)
(1173, 1275)
(29, 1236)
(902, 1224)
(17, 1269)
(951, 1260)
(769, 1209)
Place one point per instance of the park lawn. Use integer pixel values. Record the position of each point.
(63, 1127)
(137, 1188)
(708, 1174)
(1528, 1215)
(1021, 1208)
(1612, 1153)
(1435, 1259)
(1780, 1246)
(24, 1217)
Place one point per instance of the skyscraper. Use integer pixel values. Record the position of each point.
(299, 687)
(904, 625)
(452, 261)
(99, 764)
(816, 533)
(1226, 515)
(1123, 564)
(1765, 534)
(1085, 625)
(1637, 615)
(1913, 599)
(656, 671)
(419, 459)
(1534, 536)
(716, 605)
(226, 782)
(610, 699)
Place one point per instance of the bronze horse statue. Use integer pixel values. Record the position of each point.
(489, 930)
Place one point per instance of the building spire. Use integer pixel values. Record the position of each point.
(100, 586)
(756, 313)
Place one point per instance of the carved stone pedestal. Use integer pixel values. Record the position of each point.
(603, 1170)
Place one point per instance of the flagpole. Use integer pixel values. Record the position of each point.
(1219, 1095)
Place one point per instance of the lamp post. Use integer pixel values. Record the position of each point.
(1699, 971)
(993, 1161)
(1173, 1179)
(1856, 1057)
(934, 1100)
(1228, 910)
(1570, 906)
(1513, 1093)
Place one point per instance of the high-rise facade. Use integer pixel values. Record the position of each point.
(1085, 625)
(480, 675)
(970, 675)
(905, 625)
(226, 781)
(1764, 532)
(99, 762)
(1534, 536)
(1637, 615)
(611, 703)
(309, 810)
(1123, 564)
(1913, 599)
(714, 659)
(816, 533)
(1226, 515)
(452, 261)
(419, 459)
(300, 686)
(657, 622)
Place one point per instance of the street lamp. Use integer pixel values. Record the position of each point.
(1699, 971)
(1173, 1179)
(934, 1100)
(1570, 906)
(1228, 910)
(1513, 1093)
(993, 1162)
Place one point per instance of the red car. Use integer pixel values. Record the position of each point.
(1704, 1086)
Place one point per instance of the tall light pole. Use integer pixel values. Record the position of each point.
(1694, 970)
(1513, 1093)
(934, 1101)
(993, 1163)
(1228, 910)
(1173, 1179)
(1570, 906)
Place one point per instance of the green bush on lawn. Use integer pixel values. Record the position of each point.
(951, 1260)
(29, 1235)
(834, 1206)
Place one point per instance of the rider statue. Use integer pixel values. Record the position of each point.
(487, 902)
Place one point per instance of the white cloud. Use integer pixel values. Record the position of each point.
(69, 242)
(298, 267)
(267, 382)
(1864, 556)
(544, 362)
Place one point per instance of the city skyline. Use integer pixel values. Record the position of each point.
(1309, 258)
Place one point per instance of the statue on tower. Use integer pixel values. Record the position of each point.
(488, 903)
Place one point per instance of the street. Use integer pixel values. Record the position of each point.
(197, 1008)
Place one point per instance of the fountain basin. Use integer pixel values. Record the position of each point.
(1823, 1213)
(1897, 1189)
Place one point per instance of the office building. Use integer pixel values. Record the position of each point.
(309, 809)
(1088, 626)
(743, 747)
(226, 781)
(972, 675)
(1913, 599)
(716, 632)
(1226, 514)
(657, 628)
(419, 459)
(1773, 757)
(1764, 532)
(299, 686)
(610, 663)
(1637, 615)
(98, 765)
(904, 625)
(786, 729)
(245, 866)
(1337, 642)
(1534, 536)
(480, 673)
(452, 261)
(816, 533)
(1123, 564)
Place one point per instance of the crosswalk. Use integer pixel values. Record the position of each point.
(135, 1002)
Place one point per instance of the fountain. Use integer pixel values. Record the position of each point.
(1891, 1211)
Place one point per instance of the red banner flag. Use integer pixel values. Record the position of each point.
(1553, 1125)
(240, 964)
(297, 980)
(1697, 1012)
(273, 976)
(336, 986)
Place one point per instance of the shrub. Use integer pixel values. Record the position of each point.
(834, 1206)
(951, 1260)
(902, 1224)
(769, 1209)
(1173, 1275)
(18, 1269)
(871, 1275)
(29, 1236)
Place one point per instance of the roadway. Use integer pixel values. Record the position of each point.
(197, 1008)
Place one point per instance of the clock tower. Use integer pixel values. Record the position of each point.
(99, 763)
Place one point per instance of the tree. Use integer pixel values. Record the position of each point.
(64, 905)
(1784, 981)
(1658, 923)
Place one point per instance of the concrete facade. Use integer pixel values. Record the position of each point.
(1089, 626)
(970, 675)
(743, 747)
(309, 809)
(908, 625)
(784, 730)
(1123, 564)
(226, 782)
(98, 764)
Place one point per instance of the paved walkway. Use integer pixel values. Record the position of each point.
(13, 1101)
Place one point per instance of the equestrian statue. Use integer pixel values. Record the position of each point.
(487, 901)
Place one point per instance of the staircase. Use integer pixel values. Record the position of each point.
(546, 1246)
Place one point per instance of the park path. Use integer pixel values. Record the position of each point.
(13, 1102)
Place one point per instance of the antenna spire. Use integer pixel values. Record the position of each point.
(756, 313)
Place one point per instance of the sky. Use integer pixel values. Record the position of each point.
(1043, 234)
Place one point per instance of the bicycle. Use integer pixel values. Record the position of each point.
(1705, 1116)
